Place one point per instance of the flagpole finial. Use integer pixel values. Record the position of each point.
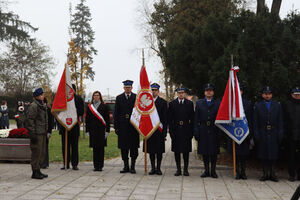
(143, 57)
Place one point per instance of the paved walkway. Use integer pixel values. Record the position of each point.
(15, 183)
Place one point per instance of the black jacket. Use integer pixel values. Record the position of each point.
(292, 118)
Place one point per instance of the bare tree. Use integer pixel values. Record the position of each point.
(276, 7)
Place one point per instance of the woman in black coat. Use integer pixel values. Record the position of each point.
(97, 128)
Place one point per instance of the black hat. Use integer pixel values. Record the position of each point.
(209, 86)
(37, 92)
(127, 83)
(295, 90)
(267, 89)
(155, 86)
(181, 89)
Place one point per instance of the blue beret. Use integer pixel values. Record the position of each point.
(267, 89)
(209, 86)
(155, 86)
(295, 90)
(180, 89)
(38, 92)
(127, 83)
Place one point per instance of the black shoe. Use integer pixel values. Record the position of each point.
(291, 179)
(75, 168)
(263, 178)
(158, 172)
(36, 175)
(96, 169)
(152, 172)
(178, 173)
(132, 169)
(44, 175)
(186, 173)
(214, 175)
(125, 170)
(238, 176)
(274, 178)
(205, 174)
(63, 168)
(243, 176)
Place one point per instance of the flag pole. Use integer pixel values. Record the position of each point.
(145, 141)
(66, 148)
(233, 142)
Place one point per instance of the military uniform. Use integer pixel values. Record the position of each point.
(268, 133)
(181, 120)
(37, 126)
(156, 143)
(128, 137)
(292, 122)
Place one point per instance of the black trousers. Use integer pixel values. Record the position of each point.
(185, 159)
(98, 157)
(45, 162)
(294, 157)
(73, 137)
(134, 152)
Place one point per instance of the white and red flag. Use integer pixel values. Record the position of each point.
(231, 116)
(144, 115)
(63, 107)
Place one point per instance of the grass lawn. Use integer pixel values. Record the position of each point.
(85, 152)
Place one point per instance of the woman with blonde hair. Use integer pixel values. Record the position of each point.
(97, 128)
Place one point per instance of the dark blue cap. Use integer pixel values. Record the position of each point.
(127, 83)
(181, 89)
(267, 89)
(38, 92)
(295, 90)
(209, 86)
(155, 86)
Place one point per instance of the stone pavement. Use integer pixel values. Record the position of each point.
(15, 183)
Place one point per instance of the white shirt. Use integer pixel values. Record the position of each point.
(180, 100)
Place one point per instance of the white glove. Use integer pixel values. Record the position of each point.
(48, 135)
(106, 134)
(88, 134)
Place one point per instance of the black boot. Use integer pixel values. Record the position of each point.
(178, 164)
(44, 175)
(159, 158)
(152, 160)
(132, 169)
(273, 177)
(213, 168)
(265, 175)
(243, 170)
(36, 175)
(206, 166)
(126, 167)
(186, 164)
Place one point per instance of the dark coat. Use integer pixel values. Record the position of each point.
(243, 149)
(128, 137)
(156, 143)
(37, 119)
(181, 120)
(96, 128)
(206, 133)
(4, 119)
(267, 129)
(291, 110)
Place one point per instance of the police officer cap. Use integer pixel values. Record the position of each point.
(180, 89)
(209, 86)
(296, 90)
(38, 92)
(155, 86)
(127, 83)
(267, 89)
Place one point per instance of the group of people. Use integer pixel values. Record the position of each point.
(267, 121)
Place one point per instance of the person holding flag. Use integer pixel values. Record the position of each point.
(181, 121)
(97, 128)
(268, 132)
(128, 137)
(156, 143)
(206, 133)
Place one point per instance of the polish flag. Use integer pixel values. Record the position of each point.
(63, 107)
(144, 115)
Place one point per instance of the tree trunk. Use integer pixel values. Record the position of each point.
(260, 6)
(276, 7)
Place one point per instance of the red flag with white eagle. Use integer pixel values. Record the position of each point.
(144, 114)
(63, 107)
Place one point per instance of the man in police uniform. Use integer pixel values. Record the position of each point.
(292, 121)
(73, 135)
(206, 133)
(128, 137)
(268, 132)
(156, 143)
(181, 120)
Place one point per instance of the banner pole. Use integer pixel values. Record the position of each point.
(145, 141)
(66, 148)
(233, 155)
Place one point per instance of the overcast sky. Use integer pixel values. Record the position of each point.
(118, 38)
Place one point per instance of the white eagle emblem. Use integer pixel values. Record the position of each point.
(145, 101)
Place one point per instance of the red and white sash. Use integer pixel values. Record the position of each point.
(97, 114)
